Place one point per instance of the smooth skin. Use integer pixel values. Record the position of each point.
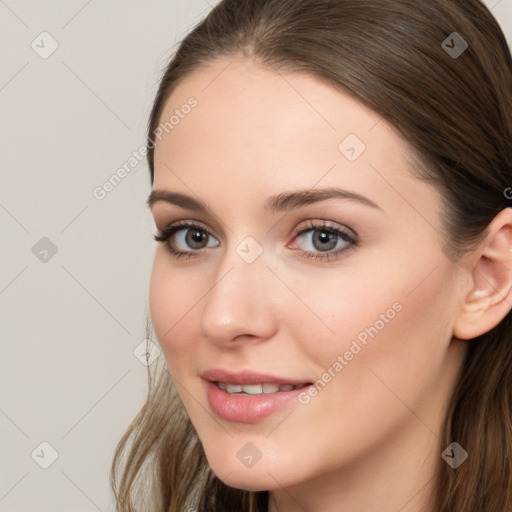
(370, 439)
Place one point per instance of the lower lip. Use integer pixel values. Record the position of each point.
(248, 408)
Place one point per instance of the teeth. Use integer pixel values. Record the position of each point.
(252, 389)
(270, 388)
(255, 389)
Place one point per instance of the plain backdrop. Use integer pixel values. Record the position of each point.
(77, 82)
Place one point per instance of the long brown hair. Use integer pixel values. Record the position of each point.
(453, 104)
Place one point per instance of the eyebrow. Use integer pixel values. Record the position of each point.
(282, 202)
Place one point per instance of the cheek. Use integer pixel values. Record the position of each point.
(383, 320)
(173, 295)
(333, 310)
(388, 350)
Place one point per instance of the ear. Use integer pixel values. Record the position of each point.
(490, 297)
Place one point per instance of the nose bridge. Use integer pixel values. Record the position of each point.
(239, 300)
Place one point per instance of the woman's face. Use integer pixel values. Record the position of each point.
(285, 283)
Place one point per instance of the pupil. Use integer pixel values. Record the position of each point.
(324, 238)
(195, 237)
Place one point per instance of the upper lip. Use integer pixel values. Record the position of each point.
(247, 377)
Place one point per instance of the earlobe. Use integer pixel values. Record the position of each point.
(490, 298)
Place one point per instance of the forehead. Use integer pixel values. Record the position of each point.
(249, 102)
(262, 129)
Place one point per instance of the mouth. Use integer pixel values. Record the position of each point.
(248, 397)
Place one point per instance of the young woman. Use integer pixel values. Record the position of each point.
(331, 290)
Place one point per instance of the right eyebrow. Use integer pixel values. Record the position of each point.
(178, 199)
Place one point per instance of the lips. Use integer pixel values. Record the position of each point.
(247, 397)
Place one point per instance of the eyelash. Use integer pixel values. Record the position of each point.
(166, 234)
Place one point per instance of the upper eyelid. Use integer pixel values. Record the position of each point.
(185, 224)
(315, 223)
(318, 224)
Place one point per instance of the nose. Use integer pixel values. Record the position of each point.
(240, 307)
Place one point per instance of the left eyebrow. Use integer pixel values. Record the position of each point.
(284, 201)
(297, 198)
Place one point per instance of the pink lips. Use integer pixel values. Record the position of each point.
(245, 408)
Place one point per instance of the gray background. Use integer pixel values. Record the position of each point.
(73, 320)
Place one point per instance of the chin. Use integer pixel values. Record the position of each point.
(262, 476)
(248, 481)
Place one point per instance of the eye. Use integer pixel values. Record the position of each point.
(185, 238)
(322, 240)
